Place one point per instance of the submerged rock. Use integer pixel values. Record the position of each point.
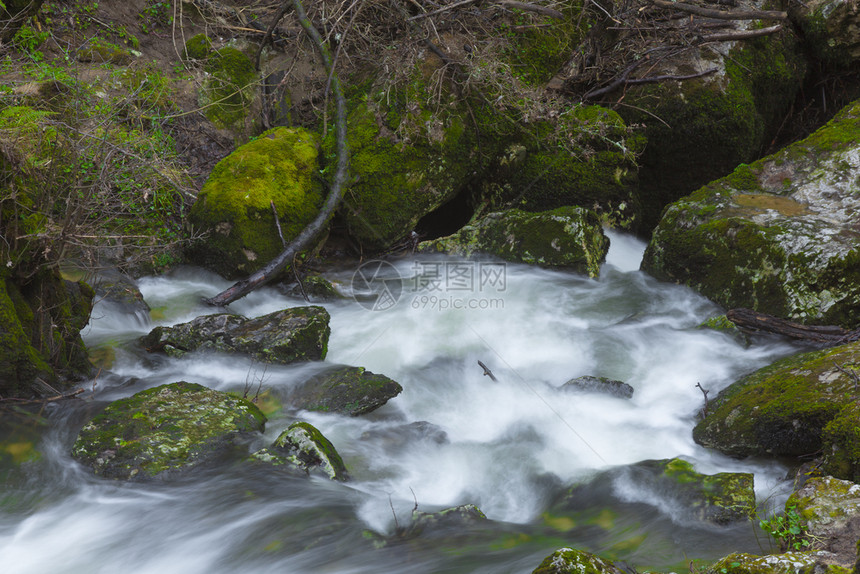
(172, 427)
(302, 446)
(779, 236)
(590, 384)
(567, 560)
(569, 237)
(346, 390)
(286, 336)
(234, 207)
(783, 409)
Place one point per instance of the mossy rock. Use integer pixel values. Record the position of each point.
(235, 204)
(604, 385)
(101, 52)
(700, 129)
(600, 173)
(567, 237)
(173, 427)
(567, 560)
(831, 30)
(841, 439)
(230, 89)
(778, 235)
(409, 155)
(346, 390)
(282, 337)
(783, 409)
(787, 563)
(302, 446)
(198, 47)
(828, 514)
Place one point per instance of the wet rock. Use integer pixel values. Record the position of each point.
(829, 512)
(701, 129)
(566, 560)
(302, 446)
(456, 518)
(722, 324)
(720, 498)
(283, 337)
(778, 236)
(172, 427)
(346, 390)
(831, 28)
(783, 409)
(568, 237)
(234, 207)
(788, 563)
(590, 384)
(313, 287)
(114, 287)
(402, 436)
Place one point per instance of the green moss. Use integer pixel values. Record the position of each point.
(198, 47)
(170, 427)
(304, 446)
(781, 409)
(234, 205)
(566, 560)
(841, 441)
(228, 93)
(101, 51)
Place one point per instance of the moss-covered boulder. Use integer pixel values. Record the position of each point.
(783, 408)
(173, 427)
(230, 88)
(831, 29)
(41, 319)
(198, 47)
(567, 560)
(596, 169)
(788, 563)
(778, 236)
(568, 237)
(346, 390)
(410, 154)
(282, 337)
(234, 208)
(828, 514)
(303, 447)
(841, 437)
(700, 129)
(604, 385)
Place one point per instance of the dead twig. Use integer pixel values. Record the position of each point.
(722, 14)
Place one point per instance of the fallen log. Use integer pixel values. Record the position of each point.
(755, 321)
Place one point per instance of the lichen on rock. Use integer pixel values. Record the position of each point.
(778, 236)
(302, 446)
(568, 560)
(173, 427)
(351, 391)
(567, 237)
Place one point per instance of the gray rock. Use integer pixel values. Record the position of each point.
(347, 390)
(302, 446)
(590, 384)
(286, 336)
(829, 510)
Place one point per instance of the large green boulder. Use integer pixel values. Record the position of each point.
(700, 129)
(783, 409)
(282, 337)
(568, 237)
(594, 167)
(173, 427)
(567, 560)
(778, 236)
(351, 391)
(234, 208)
(401, 168)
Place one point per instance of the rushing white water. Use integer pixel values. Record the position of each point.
(509, 446)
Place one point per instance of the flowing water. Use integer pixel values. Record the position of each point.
(454, 436)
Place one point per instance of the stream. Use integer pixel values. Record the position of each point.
(453, 436)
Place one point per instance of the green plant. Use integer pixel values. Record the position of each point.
(788, 529)
(733, 565)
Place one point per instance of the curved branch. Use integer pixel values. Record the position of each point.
(303, 240)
